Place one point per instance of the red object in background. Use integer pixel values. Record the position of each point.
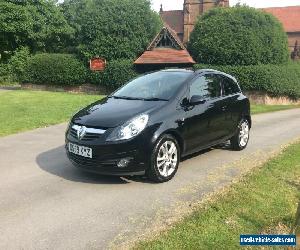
(97, 64)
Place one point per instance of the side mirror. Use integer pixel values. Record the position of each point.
(185, 102)
(197, 99)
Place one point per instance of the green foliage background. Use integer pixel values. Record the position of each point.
(32, 32)
(238, 36)
(66, 69)
(251, 41)
(38, 24)
(117, 73)
(5, 74)
(18, 63)
(63, 69)
(112, 29)
(276, 80)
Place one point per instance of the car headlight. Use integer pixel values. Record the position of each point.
(129, 129)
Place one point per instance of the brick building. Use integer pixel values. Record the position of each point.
(168, 47)
(183, 21)
(290, 18)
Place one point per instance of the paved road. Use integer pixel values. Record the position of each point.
(47, 204)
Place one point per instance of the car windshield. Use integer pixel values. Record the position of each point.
(155, 86)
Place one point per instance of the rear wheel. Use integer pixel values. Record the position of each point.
(165, 159)
(240, 140)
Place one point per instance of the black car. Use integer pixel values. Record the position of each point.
(153, 121)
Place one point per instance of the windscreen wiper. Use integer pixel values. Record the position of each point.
(155, 99)
(127, 97)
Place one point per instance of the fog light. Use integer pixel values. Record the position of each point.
(123, 163)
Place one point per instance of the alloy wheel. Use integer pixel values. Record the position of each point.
(167, 158)
(244, 134)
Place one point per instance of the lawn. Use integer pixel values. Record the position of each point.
(264, 201)
(260, 108)
(24, 110)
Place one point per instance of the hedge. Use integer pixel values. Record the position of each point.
(276, 80)
(66, 69)
(118, 72)
(55, 69)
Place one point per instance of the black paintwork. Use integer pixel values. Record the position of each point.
(195, 126)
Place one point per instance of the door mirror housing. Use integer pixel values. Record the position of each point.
(185, 102)
(197, 99)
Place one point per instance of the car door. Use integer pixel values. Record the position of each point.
(231, 94)
(203, 125)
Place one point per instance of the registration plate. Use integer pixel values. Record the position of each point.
(80, 150)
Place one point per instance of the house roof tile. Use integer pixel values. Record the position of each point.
(173, 18)
(165, 56)
(289, 16)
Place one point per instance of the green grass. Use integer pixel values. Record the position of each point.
(260, 202)
(260, 108)
(24, 110)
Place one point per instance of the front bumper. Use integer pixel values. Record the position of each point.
(108, 164)
(107, 155)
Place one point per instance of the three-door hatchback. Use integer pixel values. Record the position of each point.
(147, 125)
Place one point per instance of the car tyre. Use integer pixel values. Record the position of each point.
(165, 159)
(240, 140)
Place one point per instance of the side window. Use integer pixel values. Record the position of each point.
(207, 86)
(230, 86)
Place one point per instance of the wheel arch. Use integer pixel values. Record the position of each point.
(248, 118)
(177, 136)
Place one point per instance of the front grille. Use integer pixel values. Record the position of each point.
(90, 134)
(87, 136)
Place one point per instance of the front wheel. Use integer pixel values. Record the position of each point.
(240, 140)
(165, 159)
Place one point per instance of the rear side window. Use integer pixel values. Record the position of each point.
(207, 86)
(230, 86)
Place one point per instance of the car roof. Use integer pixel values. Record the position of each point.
(203, 71)
(200, 71)
(178, 70)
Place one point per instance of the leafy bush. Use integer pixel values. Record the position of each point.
(112, 29)
(5, 74)
(117, 73)
(238, 36)
(18, 63)
(94, 77)
(57, 69)
(276, 80)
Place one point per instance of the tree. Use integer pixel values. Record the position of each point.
(15, 27)
(112, 29)
(239, 36)
(38, 24)
(51, 31)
